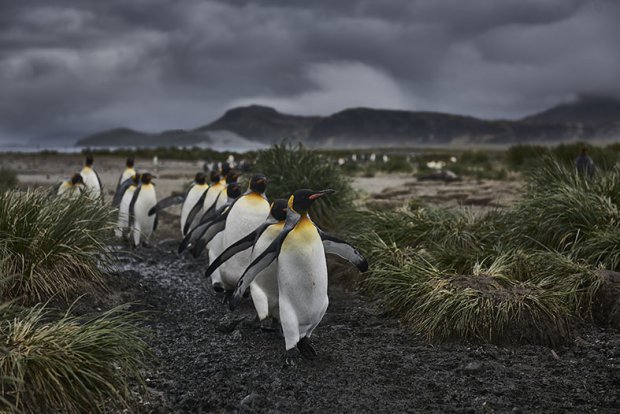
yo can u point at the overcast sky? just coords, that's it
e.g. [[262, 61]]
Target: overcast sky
[[71, 67]]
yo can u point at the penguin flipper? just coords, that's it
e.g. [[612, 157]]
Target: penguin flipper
[[100, 184], [237, 247], [132, 204], [199, 230], [341, 248], [194, 211], [167, 202], [120, 191], [270, 254]]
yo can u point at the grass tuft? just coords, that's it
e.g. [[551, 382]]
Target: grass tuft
[[8, 179], [68, 364], [51, 246], [289, 168]]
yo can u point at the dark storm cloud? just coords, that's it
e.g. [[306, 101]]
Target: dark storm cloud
[[74, 66]]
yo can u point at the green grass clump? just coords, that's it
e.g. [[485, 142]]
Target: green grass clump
[[8, 179], [68, 364], [51, 246], [289, 168]]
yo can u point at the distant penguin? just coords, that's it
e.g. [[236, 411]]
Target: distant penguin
[[231, 177], [127, 173], [193, 202], [300, 250], [264, 289], [217, 187], [91, 179], [248, 212], [125, 193], [71, 187], [144, 198]]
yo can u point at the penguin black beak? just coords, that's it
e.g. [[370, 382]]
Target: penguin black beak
[[260, 181], [321, 194]]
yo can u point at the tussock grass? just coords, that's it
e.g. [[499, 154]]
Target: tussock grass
[[8, 179], [526, 273], [51, 246], [67, 364], [289, 168]]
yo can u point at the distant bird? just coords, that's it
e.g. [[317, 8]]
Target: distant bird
[[91, 179], [300, 250], [71, 187], [584, 164], [122, 199], [127, 173], [144, 198]]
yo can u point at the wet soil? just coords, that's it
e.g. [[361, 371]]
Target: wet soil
[[214, 360]]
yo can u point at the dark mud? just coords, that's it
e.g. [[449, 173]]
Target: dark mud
[[367, 361]]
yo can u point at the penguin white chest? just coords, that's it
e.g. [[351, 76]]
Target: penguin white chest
[[302, 272], [147, 199], [247, 214], [192, 198], [91, 182]]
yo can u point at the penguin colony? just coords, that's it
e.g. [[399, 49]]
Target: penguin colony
[[271, 251]]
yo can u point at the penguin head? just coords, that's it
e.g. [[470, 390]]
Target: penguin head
[[225, 168], [215, 176], [77, 179], [258, 183], [232, 176], [301, 200], [233, 190], [200, 178], [135, 178], [146, 178], [129, 163], [278, 209], [89, 161]]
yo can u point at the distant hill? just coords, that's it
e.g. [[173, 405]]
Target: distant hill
[[264, 124], [364, 127], [255, 126], [586, 110], [125, 137]]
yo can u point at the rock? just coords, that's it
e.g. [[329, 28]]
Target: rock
[[248, 401], [473, 367]]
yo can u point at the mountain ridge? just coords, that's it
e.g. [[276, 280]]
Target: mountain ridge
[[584, 119]]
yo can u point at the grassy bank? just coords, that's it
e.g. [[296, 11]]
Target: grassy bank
[[525, 274], [54, 248]]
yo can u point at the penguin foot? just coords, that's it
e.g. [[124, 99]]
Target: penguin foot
[[218, 287], [269, 325], [291, 357], [227, 297], [305, 348]]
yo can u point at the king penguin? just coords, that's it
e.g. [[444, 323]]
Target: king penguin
[[125, 193], [91, 179], [144, 198], [71, 187], [249, 211], [300, 250], [128, 172], [190, 204]]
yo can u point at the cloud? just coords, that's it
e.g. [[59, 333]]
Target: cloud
[[337, 86], [73, 67]]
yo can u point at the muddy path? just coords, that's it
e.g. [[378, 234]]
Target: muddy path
[[367, 361]]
